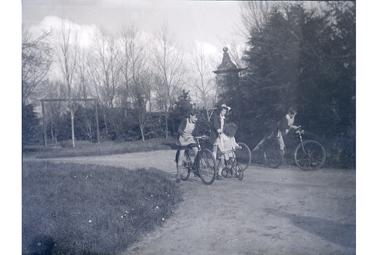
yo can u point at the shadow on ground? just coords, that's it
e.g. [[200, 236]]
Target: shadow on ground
[[331, 231]]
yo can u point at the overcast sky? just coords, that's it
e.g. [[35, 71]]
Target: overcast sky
[[213, 23]]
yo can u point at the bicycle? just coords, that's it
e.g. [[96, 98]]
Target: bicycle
[[203, 165], [236, 165], [308, 154]]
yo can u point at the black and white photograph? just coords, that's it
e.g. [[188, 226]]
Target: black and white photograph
[[177, 127]]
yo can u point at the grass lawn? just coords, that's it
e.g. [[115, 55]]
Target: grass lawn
[[74, 209], [84, 148]]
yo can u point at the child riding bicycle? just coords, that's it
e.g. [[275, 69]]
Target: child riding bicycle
[[283, 128], [217, 129], [227, 145], [185, 139]]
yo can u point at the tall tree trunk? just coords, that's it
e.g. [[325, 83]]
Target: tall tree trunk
[[54, 135], [166, 125], [90, 131], [72, 122], [105, 124], [52, 132], [142, 128]]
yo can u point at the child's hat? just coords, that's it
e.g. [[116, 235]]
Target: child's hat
[[224, 106]]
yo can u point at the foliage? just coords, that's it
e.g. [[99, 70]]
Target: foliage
[[182, 108], [183, 105], [30, 125], [85, 123], [117, 124], [203, 124], [36, 61], [299, 57]]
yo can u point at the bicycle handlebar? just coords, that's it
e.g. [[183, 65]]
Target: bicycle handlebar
[[299, 131], [202, 137]]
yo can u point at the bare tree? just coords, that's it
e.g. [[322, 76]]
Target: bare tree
[[254, 14], [83, 91], [67, 54], [36, 62], [169, 71], [141, 93], [205, 83], [127, 40], [55, 110], [138, 76], [83, 88], [105, 73], [104, 69]]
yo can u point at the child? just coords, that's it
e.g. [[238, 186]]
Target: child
[[227, 145], [186, 131], [218, 126], [282, 129], [284, 126]]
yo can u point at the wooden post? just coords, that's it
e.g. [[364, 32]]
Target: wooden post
[[97, 123], [44, 122]]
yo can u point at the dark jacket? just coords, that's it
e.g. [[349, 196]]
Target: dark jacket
[[215, 125]]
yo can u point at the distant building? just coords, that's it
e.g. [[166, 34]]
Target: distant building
[[227, 74]]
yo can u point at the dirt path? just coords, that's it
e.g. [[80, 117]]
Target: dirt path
[[273, 211]]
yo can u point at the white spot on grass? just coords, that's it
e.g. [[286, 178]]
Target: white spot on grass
[[163, 219], [89, 221]]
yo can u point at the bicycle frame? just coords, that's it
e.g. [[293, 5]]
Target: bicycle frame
[[233, 166], [299, 134], [195, 162], [231, 163], [196, 166], [307, 147]]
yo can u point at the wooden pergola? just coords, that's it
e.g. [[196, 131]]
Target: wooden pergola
[[43, 101]]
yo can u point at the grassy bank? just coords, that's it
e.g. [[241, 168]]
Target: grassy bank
[[73, 209], [104, 148]]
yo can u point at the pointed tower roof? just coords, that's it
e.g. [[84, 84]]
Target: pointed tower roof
[[227, 65]]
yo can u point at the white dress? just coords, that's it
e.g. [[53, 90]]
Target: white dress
[[227, 145], [187, 138]]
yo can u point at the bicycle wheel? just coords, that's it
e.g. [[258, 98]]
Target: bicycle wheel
[[243, 156], [272, 155], [184, 170], [310, 155], [206, 166], [225, 172]]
